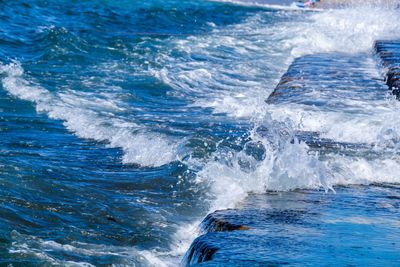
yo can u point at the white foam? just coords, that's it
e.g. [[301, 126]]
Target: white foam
[[290, 5], [262, 53], [243, 62], [287, 165], [93, 117], [34, 247], [283, 5], [240, 66], [232, 79], [349, 30]]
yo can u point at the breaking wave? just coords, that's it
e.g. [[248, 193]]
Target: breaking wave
[[221, 78]]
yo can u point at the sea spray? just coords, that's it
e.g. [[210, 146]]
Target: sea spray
[[288, 163], [165, 121]]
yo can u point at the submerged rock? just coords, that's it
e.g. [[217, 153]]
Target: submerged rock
[[215, 222], [200, 251]]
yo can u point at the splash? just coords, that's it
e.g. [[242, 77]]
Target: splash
[[274, 159], [239, 67], [349, 30], [287, 163], [231, 71]]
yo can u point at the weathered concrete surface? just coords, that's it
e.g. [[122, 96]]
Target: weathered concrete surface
[[358, 226], [325, 79]]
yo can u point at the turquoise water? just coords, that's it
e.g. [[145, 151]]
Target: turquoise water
[[123, 123]]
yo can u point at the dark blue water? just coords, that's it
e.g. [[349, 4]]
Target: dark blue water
[[123, 123]]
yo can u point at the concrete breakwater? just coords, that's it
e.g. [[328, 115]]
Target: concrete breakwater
[[358, 225], [389, 54]]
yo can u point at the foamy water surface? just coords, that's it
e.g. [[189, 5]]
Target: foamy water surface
[[125, 123]]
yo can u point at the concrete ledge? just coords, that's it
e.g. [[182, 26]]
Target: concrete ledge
[[324, 79], [356, 227], [388, 52]]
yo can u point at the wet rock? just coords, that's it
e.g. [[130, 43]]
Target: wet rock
[[110, 218], [215, 223], [200, 251], [391, 76], [389, 53], [304, 228]]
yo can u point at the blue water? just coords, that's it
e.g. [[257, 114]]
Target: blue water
[[355, 226], [123, 123]]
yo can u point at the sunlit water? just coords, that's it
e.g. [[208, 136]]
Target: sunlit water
[[124, 123]]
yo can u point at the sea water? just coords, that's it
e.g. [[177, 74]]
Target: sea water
[[124, 123]]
